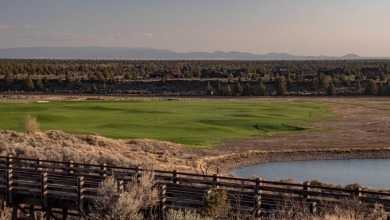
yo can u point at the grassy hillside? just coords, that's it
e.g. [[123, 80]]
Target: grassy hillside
[[187, 122]]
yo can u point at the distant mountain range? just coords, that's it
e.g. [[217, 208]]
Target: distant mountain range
[[149, 54]]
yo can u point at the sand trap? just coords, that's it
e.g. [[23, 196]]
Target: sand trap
[[43, 101]]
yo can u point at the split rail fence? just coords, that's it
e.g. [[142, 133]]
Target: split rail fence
[[63, 189]]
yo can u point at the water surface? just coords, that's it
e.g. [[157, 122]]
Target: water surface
[[367, 172]]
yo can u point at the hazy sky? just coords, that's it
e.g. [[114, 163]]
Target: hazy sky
[[301, 27]]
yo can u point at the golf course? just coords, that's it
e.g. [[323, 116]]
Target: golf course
[[196, 123]]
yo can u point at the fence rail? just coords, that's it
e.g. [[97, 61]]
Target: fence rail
[[67, 188]]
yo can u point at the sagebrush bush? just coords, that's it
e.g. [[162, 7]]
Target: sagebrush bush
[[184, 215], [139, 195], [5, 212], [216, 204], [30, 124], [346, 209]]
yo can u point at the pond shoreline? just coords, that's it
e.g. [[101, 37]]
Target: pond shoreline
[[231, 162]]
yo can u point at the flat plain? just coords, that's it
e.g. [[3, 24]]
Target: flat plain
[[197, 123]]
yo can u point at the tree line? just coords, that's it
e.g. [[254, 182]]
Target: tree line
[[201, 77]]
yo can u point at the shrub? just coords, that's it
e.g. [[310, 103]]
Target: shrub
[[216, 205], [138, 196], [346, 209], [5, 212], [30, 124], [184, 215]]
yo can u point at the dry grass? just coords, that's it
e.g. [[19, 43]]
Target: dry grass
[[184, 215], [30, 124], [5, 212], [346, 209], [57, 145]]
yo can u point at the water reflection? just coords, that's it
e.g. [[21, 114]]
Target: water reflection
[[367, 172]]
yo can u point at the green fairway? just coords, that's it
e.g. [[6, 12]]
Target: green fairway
[[200, 123]]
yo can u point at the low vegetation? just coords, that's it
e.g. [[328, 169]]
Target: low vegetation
[[112, 204], [139, 200], [30, 124], [194, 123], [57, 145]]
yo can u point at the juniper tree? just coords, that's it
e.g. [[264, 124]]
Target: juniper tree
[[39, 84], [315, 85], [261, 89], [29, 84], [247, 89], [8, 78], [209, 90], [371, 88], [219, 87], [332, 89], [228, 90], [238, 88], [282, 89]]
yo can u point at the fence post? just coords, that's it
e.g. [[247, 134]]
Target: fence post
[[358, 192], [70, 167], [9, 193], [138, 171], [9, 162], [258, 184], [104, 169], [306, 188], [215, 181], [80, 194], [257, 206], [39, 164], [257, 198], [163, 199], [313, 207], [174, 177], [120, 186], [44, 190]]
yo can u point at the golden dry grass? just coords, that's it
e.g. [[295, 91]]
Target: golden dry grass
[[57, 145]]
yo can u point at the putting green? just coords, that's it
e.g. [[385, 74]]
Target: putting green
[[194, 123]]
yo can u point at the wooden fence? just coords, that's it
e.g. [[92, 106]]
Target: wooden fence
[[61, 189]]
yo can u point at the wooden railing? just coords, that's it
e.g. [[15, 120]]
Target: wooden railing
[[67, 188]]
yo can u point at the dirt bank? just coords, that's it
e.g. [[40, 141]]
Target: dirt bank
[[229, 162]]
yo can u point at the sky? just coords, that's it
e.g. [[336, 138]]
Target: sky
[[299, 27]]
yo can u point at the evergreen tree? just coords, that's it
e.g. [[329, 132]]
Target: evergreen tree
[[315, 85], [332, 89], [358, 87], [228, 90], [8, 79], [219, 87], [29, 84], [93, 88], [77, 83], [238, 88], [371, 88], [261, 89], [289, 83], [39, 84], [247, 90], [324, 82], [209, 88], [382, 89], [282, 89]]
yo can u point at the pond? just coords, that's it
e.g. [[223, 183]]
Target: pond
[[367, 172]]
